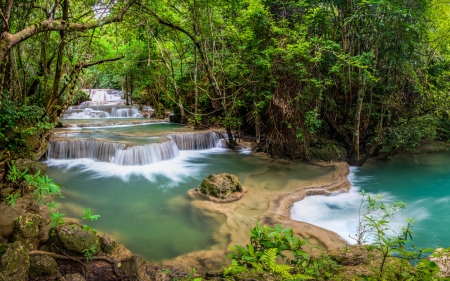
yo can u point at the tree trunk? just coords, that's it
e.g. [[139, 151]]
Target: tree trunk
[[353, 159]]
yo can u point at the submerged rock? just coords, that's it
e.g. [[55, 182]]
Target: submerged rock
[[26, 230], [71, 237], [14, 262], [42, 265], [225, 187]]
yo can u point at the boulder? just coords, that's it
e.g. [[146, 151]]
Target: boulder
[[42, 266], [32, 166], [113, 249], [74, 277], [222, 186], [14, 262], [71, 238], [133, 268], [26, 230], [442, 259]]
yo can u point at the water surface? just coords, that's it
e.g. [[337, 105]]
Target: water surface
[[422, 181], [146, 207]]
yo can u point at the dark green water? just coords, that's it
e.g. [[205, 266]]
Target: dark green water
[[423, 182]]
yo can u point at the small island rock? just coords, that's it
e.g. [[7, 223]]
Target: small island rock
[[222, 187]]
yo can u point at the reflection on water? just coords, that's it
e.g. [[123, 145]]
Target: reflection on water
[[422, 181], [146, 207]]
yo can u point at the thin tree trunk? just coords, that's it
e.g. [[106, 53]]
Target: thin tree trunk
[[354, 151]]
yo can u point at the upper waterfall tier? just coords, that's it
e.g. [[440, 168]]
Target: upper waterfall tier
[[116, 153], [101, 111]]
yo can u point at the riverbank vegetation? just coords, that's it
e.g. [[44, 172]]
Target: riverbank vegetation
[[358, 78]]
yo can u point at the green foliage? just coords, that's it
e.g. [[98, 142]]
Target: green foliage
[[57, 218], [374, 228], [17, 122], [407, 134], [90, 252], [88, 215], [11, 199], [269, 243], [43, 186], [14, 175]]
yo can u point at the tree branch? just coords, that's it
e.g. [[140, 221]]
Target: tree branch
[[10, 40]]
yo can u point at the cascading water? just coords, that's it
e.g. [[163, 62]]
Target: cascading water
[[196, 141], [101, 111], [121, 154], [116, 153]]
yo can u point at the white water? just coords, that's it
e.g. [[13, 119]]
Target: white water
[[82, 112], [176, 170], [196, 141], [340, 213], [121, 154]]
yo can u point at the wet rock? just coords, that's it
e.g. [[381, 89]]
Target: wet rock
[[42, 265], [113, 249], [14, 262], [442, 259], [74, 277], [32, 166], [26, 230], [72, 238], [221, 186], [133, 268]]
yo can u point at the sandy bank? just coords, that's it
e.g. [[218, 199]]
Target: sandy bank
[[267, 207]]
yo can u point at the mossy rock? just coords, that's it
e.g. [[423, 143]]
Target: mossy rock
[[14, 262], [32, 166], [26, 229], [220, 185], [71, 237], [42, 265], [113, 249], [74, 277], [133, 268]]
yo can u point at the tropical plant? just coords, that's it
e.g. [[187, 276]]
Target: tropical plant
[[266, 244]]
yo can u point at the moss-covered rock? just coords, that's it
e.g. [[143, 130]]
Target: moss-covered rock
[[14, 262], [32, 166], [133, 268], [74, 277], [26, 229], [113, 249], [220, 185], [72, 238], [42, 265]]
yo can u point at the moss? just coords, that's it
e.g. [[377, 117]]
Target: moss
[[14, 262], [42, 265], [72, 237], [220, 185]]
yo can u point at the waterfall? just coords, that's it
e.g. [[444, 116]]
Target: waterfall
[[196, 141], [101, 111], [117, 153]]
